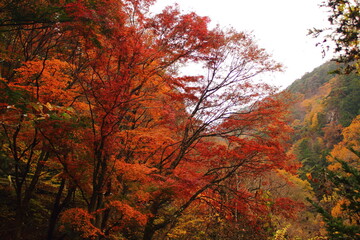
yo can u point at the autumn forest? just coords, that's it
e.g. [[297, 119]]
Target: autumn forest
[[102, 135]]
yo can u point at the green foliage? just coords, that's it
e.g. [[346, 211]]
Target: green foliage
[[329, 104], [340, 106], [346, 183], [344, 32], [345, 98], [22, 13], [312, 157], [310, 82]]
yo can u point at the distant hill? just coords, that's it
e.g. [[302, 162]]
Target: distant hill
[[310, 82], [339, 103], [326, 105]]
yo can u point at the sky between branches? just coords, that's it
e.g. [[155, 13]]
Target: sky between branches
[[279, 26]]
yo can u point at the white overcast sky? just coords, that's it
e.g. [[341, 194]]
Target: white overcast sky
[[279, 26]]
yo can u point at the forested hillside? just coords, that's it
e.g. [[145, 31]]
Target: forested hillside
[[327, 143], [309, 84]]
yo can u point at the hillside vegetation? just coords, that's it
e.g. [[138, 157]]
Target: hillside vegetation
[[327, 143], [101, 138]]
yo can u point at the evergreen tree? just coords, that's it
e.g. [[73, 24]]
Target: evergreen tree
[[346, 184]]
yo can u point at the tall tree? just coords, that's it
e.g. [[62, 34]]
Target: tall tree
[[92, 102], [344, 31]]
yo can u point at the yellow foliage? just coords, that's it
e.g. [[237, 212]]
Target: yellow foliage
[[280, 233], [296, 180], [337, 209], [335, 166], [341, 150], [352, 133], [186, 225], [318, 238], [314, 106], [312, 118], [329, 198], [314, 121]]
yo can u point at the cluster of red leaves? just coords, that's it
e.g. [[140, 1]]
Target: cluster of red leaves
[[139, 143], [79, 220]]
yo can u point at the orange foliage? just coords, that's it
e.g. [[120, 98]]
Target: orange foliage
[[47, 80], [79, 220], [126, 213], [140, 143], [341, 150]]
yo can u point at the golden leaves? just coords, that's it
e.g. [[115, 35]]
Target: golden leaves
[[351, 140], [48, 81]]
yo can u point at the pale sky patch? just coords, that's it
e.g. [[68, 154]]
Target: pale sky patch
[[279, 26]]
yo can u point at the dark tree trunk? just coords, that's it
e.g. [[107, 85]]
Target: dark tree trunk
[[58, 207]]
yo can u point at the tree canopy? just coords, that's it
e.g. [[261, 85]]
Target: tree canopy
[[102, 139], [344, 32]]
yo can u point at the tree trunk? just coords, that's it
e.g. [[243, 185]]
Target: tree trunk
[[149, 230], [55, 212]]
